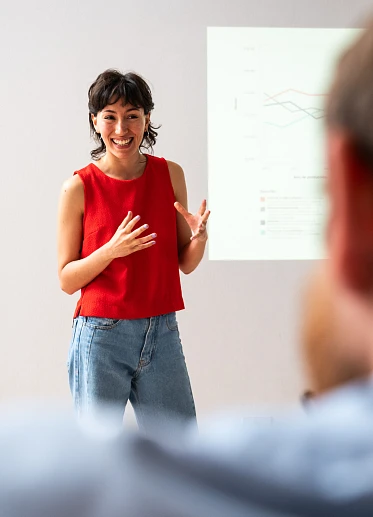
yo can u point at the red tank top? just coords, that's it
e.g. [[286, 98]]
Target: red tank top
[[145, 283]]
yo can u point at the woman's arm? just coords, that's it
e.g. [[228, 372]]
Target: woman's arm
[[191, 230], [74, 272]]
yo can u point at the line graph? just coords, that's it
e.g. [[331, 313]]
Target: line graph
[[315, 113], [288, 100], [297, 91], [266, 106]]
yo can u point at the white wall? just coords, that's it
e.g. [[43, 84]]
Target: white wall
[[239, 329]]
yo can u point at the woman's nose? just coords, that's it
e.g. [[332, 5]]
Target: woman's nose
[[121, 127]]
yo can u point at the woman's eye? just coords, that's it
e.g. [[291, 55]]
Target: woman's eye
[[109, 117]]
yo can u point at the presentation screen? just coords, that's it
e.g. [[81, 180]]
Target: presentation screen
[[266, 165]]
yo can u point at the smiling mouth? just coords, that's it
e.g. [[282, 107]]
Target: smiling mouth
[[122, 143]]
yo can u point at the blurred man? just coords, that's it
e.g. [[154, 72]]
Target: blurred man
[[319, 465]]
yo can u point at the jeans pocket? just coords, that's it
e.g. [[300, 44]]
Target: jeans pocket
[[171, 321], [72, 342], [101, 323]]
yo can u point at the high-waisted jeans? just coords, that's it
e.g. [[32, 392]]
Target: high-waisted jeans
[[111, 361]]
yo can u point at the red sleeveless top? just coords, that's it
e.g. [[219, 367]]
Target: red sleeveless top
[[145, 283]]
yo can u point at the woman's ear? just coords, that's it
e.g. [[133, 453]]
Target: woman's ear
[[94, 121]]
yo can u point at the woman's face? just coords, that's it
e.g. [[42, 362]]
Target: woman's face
[[122, 128]]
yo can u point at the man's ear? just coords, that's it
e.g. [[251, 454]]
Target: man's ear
[[351, 218]]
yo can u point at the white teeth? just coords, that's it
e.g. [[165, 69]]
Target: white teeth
[[122, 142]]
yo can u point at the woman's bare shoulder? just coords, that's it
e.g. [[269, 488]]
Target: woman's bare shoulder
[[72, 192], [73, 184]]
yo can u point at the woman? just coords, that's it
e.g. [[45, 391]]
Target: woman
[[125, 342]]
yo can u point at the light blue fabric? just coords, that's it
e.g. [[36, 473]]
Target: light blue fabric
[[112, 361], [316, 464]]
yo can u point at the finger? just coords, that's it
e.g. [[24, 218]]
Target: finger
[[126, 220], [132, 223], [147, 238], [202, 208], [140, 247], [139, 231], [201, 227], [200, 231], [197, 234], [205, 217], [179, 207]]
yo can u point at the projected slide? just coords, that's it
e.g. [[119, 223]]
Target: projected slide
[[266, 167]]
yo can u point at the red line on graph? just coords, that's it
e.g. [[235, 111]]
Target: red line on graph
[[297, 91]]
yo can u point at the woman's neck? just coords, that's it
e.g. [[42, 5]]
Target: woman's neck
[[126, 169]]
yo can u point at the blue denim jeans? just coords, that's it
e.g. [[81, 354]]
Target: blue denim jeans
[[111, 361]]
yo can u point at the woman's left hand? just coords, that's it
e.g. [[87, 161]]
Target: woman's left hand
[[196, 222]]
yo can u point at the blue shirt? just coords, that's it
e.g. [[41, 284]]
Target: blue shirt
[[314, 464]]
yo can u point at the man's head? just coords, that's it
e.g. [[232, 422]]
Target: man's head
[[338, 329]]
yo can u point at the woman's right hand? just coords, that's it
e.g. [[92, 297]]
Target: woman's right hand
[[126, 240], [74, 271]]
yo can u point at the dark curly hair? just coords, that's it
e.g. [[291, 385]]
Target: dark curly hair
[[108, 88]]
